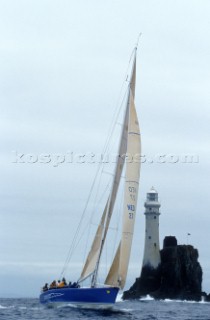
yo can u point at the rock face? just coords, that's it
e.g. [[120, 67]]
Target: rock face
[[179, 276]]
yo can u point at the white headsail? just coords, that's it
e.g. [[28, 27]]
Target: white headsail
[[92, 257]]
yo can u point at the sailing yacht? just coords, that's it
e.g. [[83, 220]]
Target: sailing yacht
[[105, 295]]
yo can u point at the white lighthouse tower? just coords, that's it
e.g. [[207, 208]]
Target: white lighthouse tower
[[151, 247]]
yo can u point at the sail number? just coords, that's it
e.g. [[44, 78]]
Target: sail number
[[131, 207], [132, 191], [130, 215], [133, 197]]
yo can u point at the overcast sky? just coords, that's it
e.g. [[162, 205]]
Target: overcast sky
[[62, 65]]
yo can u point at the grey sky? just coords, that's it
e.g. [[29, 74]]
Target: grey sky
[[62, 64]]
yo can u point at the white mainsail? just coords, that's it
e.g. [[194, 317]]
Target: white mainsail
[[131, 191], [118, 271], [129, 144]]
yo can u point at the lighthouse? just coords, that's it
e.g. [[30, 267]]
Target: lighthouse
[[150, 276], [151, 257]]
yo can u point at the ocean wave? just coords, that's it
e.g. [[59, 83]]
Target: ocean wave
[[184, 301], [6, 307], [147, 298], [119, 297]]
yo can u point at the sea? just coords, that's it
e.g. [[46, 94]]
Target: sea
[[144, 309]]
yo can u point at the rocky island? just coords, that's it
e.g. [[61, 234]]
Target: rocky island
[[178, 276]]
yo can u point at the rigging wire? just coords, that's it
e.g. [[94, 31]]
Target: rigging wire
[[95, 202], [112, 127], [70, 252]]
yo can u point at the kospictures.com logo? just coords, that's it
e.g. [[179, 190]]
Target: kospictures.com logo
[[56, 159]]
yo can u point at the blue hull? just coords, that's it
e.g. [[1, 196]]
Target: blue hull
[[81, 296]]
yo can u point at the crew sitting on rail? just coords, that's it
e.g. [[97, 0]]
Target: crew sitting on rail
[[45, 288], [75, 285], [62, 283], [53, 285]]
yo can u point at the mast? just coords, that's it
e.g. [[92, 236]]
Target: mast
[[119, 165]]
